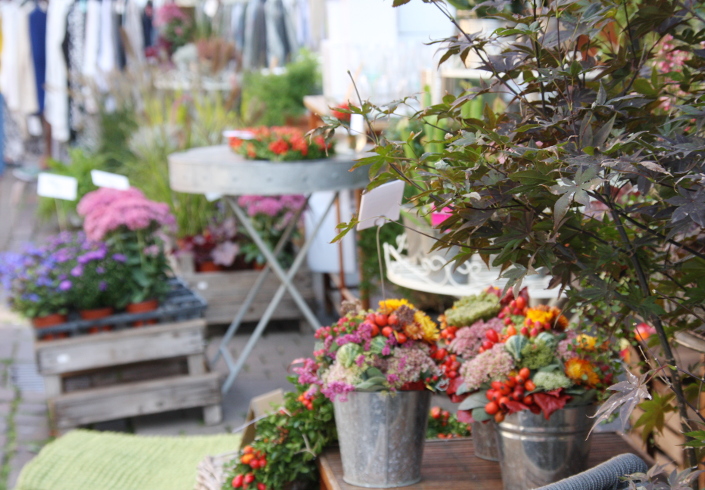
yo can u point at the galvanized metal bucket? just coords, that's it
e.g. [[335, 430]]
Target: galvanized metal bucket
[[381, 437], [534, 451], [484, 440]]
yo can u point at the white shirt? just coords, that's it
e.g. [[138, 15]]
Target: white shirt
[[56, 103]]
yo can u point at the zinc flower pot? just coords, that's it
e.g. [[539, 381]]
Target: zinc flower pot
[[143, 307], [381, 437], [534, 452], [484, 440], [97, 314]]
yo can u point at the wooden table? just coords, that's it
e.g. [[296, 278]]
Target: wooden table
[[451, 465]]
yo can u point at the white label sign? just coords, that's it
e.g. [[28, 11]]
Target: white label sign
[[357, 123], [110, 180], [213, 196], [381, 204], [239, 134], [57, 186]]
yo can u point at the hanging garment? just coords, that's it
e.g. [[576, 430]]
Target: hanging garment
[[107, 54], [74, 50], [38, 40], [56, 106], [132, 26], [9, 83], [277, 40], [254, 53], [148, 31]]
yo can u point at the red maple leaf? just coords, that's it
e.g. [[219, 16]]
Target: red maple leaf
[[551, 401]]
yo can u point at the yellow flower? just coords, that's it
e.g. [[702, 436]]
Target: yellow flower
[[389, 305], [586, 342], [581, 372], [428, 327], [549, 316]]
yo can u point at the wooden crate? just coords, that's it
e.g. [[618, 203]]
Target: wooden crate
[[226, 291], [130, 372]]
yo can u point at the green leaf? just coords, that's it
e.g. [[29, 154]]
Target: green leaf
[[653, 417], [474, 401], [480, 415], [398, 3], [373, 384]]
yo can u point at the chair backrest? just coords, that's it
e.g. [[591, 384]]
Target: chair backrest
[[605, 476]]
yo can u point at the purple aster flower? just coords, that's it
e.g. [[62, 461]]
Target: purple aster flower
[[100, 269], [103, 285], [119, 258], [65, 285], [77, 271]]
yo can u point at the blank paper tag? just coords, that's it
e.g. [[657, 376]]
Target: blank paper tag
[[110, 180], [213, 196], [357, 123], [239, 134], [381, 204], [57, 186]]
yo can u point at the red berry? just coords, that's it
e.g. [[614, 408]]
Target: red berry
[[381, 319], [261, 486], [486, 344], [533, 332], [387, 331], [524, 331], [492, 336], [392, 319], [237, 481], [249, 478]]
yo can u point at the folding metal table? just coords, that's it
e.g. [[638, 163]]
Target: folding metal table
[[217, 170]]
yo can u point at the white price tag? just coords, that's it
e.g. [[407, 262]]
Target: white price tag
[[381, 204], [357, 123], [213, 196], [240, 134], [110, 180], [57, 186]]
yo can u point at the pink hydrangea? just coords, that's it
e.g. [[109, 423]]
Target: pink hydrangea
[[408, 363], [168, 13], [563, 350], [490, 365], [468, 340], [106, 210]]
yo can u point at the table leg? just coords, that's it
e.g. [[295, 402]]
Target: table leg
[[285, 278], [252, 294]]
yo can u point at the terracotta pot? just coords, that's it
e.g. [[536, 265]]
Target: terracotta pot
[[143, 307], [96, 314], [208, 266], [50, 321]]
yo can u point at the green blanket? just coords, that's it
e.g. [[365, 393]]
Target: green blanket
[[87, 460]]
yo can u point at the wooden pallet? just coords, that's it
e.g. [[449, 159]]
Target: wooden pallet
[[226, 291], [130, 372]]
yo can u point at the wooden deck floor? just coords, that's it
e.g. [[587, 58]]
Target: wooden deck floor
[[452, 465]]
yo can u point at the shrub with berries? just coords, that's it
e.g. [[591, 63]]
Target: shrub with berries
[[444, 425], [279, 144], [287, 442]]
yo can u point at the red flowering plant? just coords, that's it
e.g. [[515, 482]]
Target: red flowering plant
[[504, 356], [279, 144], [389, 349]]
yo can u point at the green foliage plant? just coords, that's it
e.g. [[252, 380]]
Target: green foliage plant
[[270, 98], [595, 172]]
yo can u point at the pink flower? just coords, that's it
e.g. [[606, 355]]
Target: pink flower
[[491, 364]]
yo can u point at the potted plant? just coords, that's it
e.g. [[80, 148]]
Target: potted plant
[[279, 144], [98, 277], [592, 171], [130, 224], [37, 280], [377, 369]]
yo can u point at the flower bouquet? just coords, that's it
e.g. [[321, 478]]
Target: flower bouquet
[[279, 144], [216, 247], [378, 368], [517, 358], [536, 377]]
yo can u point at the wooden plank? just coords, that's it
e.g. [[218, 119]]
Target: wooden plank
[[126, 373], [131, 399], [451, 465], [121, 347]]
